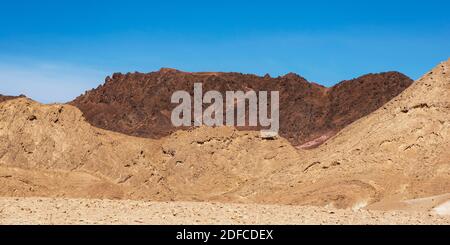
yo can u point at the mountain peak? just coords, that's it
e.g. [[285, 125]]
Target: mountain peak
[[139, 104], [169, 70]]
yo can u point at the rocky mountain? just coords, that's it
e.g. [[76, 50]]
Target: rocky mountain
[[6, 97], [395, 154], [50, 150], [139, 104]]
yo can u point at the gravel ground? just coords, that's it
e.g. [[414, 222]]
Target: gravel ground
[[83, 211]]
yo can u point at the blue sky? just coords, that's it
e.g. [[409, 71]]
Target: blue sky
[[53, 51]]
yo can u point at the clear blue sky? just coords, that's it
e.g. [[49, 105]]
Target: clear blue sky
[[54, 50]]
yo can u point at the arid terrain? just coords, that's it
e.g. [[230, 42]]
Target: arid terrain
[[5, 97], [389, 164], [82, 211], [139, 104]]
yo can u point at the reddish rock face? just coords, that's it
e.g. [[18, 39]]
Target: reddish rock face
[[139, 104]]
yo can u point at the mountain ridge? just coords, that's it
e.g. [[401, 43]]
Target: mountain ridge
[[138, 104]]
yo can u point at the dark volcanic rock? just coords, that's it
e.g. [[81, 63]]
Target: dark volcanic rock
[[6, 97], [139, 104]]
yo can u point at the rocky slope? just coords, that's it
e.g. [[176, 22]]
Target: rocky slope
[[139, 104], [6, 97], [50, 150], [399, 152]]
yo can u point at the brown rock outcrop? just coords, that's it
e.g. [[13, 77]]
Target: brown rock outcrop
[[139, 104]]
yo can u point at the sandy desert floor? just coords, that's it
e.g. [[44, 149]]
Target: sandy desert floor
[[84, 211]]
